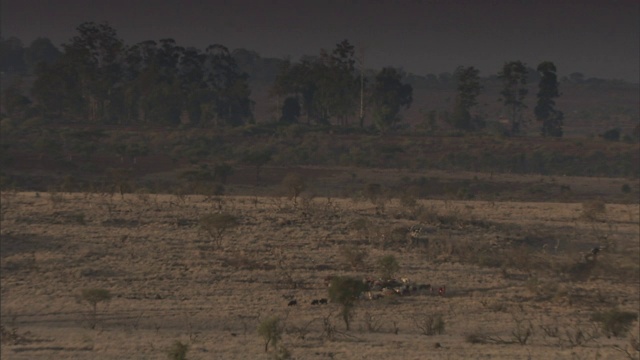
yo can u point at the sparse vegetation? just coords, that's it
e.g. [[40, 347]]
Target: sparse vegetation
[[279, 256], [178, 351], [294, 184], [93, 297], [345, 291], [271, 331], [124, 165], [625, 188], [372, 322], [429, 324], [388, 266], [594, 210], [355, 257], [615, 322], [216, 225]]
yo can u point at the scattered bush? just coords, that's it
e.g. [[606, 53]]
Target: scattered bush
[[372, 322], [372, 192], [625, 188], [93, 297], [519, 335], [281, 353], [362, 227], [523, 329], [388, 266], [611, 135], [593, 210], [271, 331], [178, 351], [476, 338], [216, 225], [615, 322], [345, 291], [429, 324], [354, 256], [294, 184], [12, 337]]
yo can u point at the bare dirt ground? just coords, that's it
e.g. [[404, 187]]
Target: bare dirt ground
[[518, 285]]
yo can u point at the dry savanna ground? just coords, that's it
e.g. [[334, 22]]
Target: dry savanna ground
[[519, 283]]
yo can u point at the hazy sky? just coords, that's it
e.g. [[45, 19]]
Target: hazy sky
[[600, 38]]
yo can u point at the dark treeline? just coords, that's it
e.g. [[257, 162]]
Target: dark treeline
[[98, 79]]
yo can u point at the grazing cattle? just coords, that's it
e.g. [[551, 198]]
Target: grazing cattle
[[293, 303], [322, 301], [442, 290]]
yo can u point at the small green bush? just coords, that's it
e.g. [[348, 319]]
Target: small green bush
[[178, 351], [271, 331], [388, 266], [93, 297]]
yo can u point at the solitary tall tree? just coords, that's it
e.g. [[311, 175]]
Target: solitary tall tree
[[346, 291], [389, 95], [290, 111], [468, 90], [96, 55], [514, 77], [545, 111]]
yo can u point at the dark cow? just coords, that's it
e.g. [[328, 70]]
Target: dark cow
[[293, 303]]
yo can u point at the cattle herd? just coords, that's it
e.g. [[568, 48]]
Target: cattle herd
[[379, 288]]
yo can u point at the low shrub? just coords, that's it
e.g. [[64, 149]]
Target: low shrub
[[271, 331], [354, 256], [388, 266], [615, 322], [178, 351]]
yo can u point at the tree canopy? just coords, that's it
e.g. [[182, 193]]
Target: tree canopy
[[100, 79], [514, 78], [545, 111], [389, 95], [468, 90]]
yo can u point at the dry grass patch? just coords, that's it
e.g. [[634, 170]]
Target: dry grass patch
[[166, 286]]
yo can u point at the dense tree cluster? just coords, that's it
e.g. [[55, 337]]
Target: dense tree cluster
[[328, 90], [325, 87], [98, 79]]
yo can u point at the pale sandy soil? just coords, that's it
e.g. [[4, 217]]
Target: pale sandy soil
[[169, 283]]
